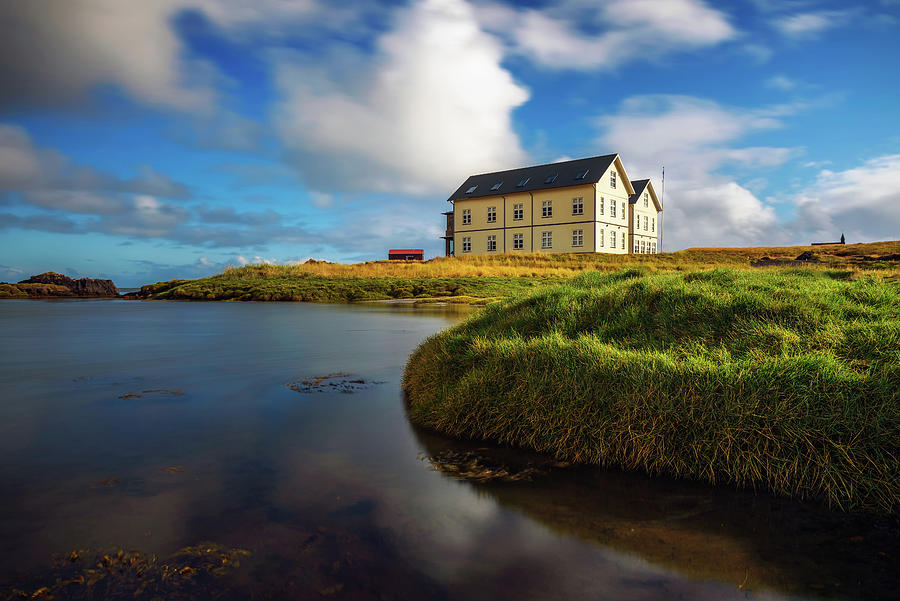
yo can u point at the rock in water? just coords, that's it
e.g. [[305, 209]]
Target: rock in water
[[80, 287]]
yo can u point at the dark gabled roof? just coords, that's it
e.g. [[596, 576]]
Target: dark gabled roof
[[566, 173], [639, 185]]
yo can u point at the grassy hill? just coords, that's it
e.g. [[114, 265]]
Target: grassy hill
[[786, 379], [480, 279]]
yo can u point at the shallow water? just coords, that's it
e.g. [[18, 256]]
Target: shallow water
[[155, 426]]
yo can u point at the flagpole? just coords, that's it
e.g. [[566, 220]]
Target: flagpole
[[662, 200]]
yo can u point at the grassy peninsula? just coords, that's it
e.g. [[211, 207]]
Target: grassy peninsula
[[485, 278], [785, 379]]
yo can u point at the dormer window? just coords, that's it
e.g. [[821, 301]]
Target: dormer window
[[522, 182], [612, 179], [550, 179], [472, 189], [581, 174], [496, 186], [646, 199]]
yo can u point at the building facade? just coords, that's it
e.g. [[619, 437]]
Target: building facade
[[582, 206]]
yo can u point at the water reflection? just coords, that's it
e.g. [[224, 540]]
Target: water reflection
[[756, 542], [158, 426]]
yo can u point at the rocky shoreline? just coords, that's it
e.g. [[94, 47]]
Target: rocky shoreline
[[52, 284]]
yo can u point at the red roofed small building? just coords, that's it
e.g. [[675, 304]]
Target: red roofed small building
[[406, 254]]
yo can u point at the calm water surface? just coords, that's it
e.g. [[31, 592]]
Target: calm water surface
[[157, 426]]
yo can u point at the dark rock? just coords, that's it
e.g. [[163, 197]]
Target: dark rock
[[807, 256], [80, 287]]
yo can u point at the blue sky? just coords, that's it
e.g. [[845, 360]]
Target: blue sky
[[170, 138]]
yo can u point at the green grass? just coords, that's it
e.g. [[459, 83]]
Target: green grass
[[479, 279], [785, 380], [335, 289]]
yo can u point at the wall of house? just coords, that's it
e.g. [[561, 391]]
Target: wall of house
[[644, 223], [560, 224]]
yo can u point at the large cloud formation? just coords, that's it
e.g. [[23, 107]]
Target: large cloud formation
[[433, 104]]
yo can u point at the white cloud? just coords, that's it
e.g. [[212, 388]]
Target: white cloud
[[696, 140], [863, 202], [433, 105], [811, 24], [577, 34], [780, 82]]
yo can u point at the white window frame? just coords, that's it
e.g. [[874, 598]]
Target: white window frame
[[602, 237], [612, 238], [518, 241], [654, 248], [578, 205], [612, 179], [646, 223], [546, 239], [601, 205], [492, 243], [518, 212], [467, 216], [612, 208], [643, 248], [653, 224], [467, 244], [491, 214], [577, 237], [547, 208], [637, 247], [623, 240], [624, 213], [646, 200]]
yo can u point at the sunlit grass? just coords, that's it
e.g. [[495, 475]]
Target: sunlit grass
[[786, 380], [490, 276]]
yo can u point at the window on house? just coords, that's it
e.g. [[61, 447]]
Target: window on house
[[637, 247], [522, 182], [467, 244], [623, 236], [496, 186], [550, 179], [578, 206], [612, 208], [546, 239], [518, 241], [646, 200], [492, 214], [643, 251], [601, 205], [547, 208], [467, 217], [646, 223], [577, 237], [581, 174], [492, 243], [601, 236], [518, 212], [470, 190], [637, 222], [612, 239], [653, 224], [612, 178], [653, 244], [624, 214]]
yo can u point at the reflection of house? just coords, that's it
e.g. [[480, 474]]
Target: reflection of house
[[582, 206], [406, 254]]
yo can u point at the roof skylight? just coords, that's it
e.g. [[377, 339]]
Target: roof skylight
[[581, 174], [472, 189], [550, 179], [522, 183], [496, 186]]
